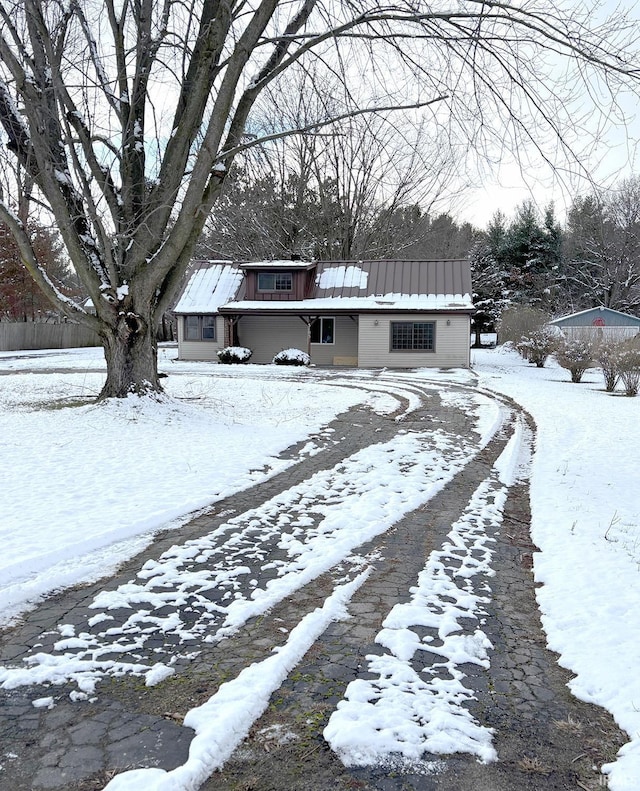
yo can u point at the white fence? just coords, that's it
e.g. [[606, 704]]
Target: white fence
[[34, 335]]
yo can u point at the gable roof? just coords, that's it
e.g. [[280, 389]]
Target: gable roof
[[585, 318], [338, 286], [210, 284]]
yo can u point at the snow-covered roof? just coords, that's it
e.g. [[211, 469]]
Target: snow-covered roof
[[585, 318], [278, 264], [210, 285], [342, 286], [380, 302]]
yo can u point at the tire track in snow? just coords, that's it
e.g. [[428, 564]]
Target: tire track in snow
[[205, 588]]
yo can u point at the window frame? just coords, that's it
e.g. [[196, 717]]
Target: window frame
[[278, 282], [321, 320], [205, 321], [430, 349]]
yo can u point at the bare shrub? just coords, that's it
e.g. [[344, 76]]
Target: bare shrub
[[630, 370], [575, 354], [519, 322], [607, 355], [538, 345]]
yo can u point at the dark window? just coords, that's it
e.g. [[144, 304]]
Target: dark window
[[192, 328], [322, 330], [413, 336], [275, 281], [199, 328]]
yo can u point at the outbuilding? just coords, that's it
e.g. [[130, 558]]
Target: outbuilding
[[600, 321]]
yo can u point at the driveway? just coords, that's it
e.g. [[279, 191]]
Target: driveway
[[409, 657]]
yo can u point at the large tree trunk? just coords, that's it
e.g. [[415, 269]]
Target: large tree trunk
[[131, 352]]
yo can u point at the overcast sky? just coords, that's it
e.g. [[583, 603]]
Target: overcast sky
[[615, 155]]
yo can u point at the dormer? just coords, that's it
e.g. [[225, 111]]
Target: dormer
[[269, 281]]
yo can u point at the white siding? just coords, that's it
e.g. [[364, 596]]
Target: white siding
[[200, 350], [451, 342]]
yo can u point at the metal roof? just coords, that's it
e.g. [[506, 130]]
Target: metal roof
[[392, 277], [596, 316], [348, 286], [210, 284]]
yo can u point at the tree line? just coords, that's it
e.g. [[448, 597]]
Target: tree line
[[530, 259]]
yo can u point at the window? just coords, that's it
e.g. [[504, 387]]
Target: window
[[322, 330], [208, 328], [199, 328], [275, 281], [413, 336]]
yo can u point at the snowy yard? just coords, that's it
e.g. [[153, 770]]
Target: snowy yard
[[85, 486]]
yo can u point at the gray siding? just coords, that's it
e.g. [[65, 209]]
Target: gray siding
[[613, 333], [611, 318], [345, 348], [451, 342], [268, 335]]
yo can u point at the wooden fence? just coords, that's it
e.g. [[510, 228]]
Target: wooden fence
[[34, 335]]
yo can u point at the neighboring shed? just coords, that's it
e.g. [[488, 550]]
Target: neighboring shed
[[366, 313], [600, 321]]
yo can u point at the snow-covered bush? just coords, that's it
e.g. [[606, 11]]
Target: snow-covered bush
[[234, 354], [291, 357], [575, 354], [538, 345], [630, 370], [607, 355]]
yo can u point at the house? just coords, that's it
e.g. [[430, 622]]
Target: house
[[600, 321], [363, 313]]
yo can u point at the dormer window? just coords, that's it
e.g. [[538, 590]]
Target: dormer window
[[275, 281]]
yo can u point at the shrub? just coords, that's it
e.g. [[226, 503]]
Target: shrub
[[520, 322], [234, 354], [630, 370], [575, 354], [291, 357], [538, 345], [607, 355]]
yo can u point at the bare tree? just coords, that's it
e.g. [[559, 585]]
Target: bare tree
[[362, 189], [603, 252], [128, 115]]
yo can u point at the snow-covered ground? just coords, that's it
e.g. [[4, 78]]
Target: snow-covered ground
[[585, 504], [85, 486]]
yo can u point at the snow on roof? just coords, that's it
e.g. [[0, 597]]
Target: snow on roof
[[632, 320], [278, 264], [382, 302], [384, 285], [211, 284], [348, 276]]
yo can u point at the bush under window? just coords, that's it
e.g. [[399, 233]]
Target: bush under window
[[291, 357], [234, 354]]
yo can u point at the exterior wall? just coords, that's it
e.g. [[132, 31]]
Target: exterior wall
[[299, 286], [451, 342], [614, 333], [267, 335], [358, 341], [200, 350], [345, 349]]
